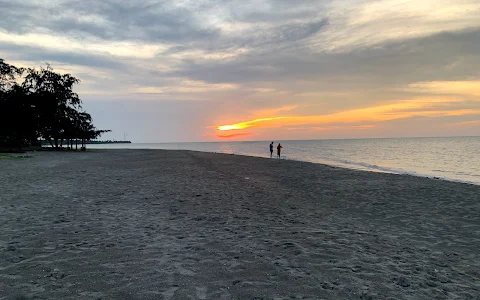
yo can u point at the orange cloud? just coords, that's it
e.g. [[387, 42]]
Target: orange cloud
[[274, 111], [358, 127], [247, 124], [296, 128], [466, 123], [431, 107], [230, 135], [465, 88]]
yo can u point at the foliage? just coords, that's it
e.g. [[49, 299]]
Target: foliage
[[43, 105]]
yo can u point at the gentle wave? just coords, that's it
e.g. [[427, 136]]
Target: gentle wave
[[359, 166]]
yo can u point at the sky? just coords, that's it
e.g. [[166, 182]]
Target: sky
[[216, 70]]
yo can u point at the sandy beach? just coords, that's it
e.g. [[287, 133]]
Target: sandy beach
[[153, 224]]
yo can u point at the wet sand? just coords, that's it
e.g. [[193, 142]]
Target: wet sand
[[152, 224]]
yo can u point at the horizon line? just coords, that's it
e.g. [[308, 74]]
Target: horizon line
[[319, 139]]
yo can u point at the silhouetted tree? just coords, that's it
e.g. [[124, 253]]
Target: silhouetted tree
[[86, 129], [54, 100], [8, 76], [11, 128], [43, 105]]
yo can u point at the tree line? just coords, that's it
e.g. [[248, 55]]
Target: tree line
[[40, 104]]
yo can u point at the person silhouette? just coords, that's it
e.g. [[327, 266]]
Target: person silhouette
[[279, 150], [271, 150]]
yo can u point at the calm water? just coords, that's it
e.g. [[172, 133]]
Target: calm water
[[454, 158]]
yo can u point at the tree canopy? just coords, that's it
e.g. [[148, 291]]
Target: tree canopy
[[41, 104]]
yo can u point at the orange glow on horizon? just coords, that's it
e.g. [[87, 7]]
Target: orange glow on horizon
[[381, 113], [466, 123], [466, 88], [359, 127], [229, 135], [247, 124]]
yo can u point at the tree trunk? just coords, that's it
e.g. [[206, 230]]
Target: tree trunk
[[56, 143], [50, 142], [76, 144]]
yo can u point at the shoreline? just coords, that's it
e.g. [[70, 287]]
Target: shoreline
[[343, 166], [325, 163], [332, 165]]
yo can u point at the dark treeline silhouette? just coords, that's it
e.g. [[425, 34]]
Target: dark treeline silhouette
[[41, 104], [88, 142]]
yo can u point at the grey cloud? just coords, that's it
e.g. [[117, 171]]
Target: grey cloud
[[132, 20], [161, 21], [277, 53], [15, 16], [34, 54], [446, 56], [81, 29], [284, 34], [280, 12]]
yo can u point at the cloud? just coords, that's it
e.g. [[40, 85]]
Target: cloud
[[248, 124], [230, 135], [357, 127], [463, 88], [274, 111], [381, 113], [106, 20], [369, 23], [190, 39], [446, 56], [18, 51], [466, 123], [187, 87]]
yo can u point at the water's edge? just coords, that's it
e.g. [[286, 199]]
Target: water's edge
[[357, 166]]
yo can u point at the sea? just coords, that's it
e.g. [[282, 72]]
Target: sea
[[449, 158]]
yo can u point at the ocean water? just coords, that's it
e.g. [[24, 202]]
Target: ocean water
[[450, 158]]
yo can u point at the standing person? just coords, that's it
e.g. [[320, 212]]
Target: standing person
[[279, 149], [271, 150]]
